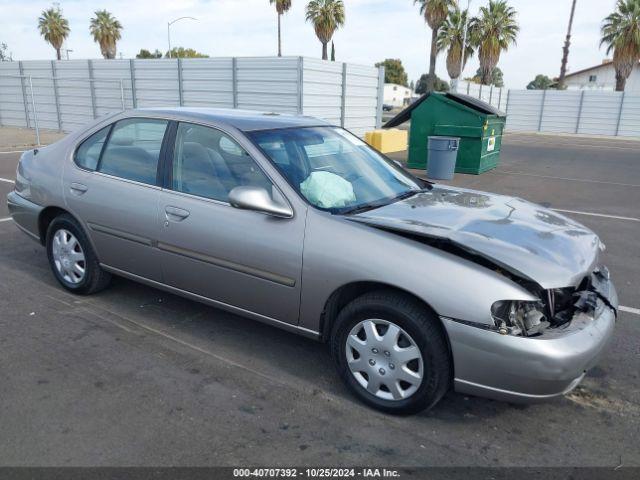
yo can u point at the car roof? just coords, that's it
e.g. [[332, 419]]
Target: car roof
[[244, 120]]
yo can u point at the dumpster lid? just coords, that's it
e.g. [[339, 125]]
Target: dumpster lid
[[466, 100], [405, 114], [475, 103]]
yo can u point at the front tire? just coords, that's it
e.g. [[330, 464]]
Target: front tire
[[391, 351], [72, 259]]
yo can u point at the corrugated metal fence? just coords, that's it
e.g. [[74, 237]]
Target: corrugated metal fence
[[586, 112], [65, 95], [487, 93], [583, 112]]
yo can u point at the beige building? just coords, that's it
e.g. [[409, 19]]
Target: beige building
[[601, 77]]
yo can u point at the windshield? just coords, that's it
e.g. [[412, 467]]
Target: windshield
[[335, 170]]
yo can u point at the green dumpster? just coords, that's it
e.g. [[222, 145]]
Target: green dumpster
[[478, 125]]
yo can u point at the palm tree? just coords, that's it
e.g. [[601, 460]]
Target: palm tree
[[327, 16], [54, 28], [435, 13], [565, 49], [493, 32], [450, 36], [106, 32], [621, 34], [282, 6]]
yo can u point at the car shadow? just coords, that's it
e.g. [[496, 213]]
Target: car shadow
[[299, 361]]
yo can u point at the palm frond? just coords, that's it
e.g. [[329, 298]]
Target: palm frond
[[435, 11], [493, 31], [620, 33], [451, 35], [105, 29], [282, 6], [53, 27], [326, 16]]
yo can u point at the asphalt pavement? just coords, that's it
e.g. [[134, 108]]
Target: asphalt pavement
[[135, 376]]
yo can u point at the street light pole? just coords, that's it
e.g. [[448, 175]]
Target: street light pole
[[169, 38], [464, 42], [169, 30]]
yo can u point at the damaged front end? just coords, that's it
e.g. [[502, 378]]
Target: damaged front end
[[550, 256], [556, 308], [534, 351], [538, 341]]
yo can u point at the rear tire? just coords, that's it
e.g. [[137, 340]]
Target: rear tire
[[404, 372], [72, 259]]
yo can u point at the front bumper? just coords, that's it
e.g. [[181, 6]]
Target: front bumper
[[25, 214], [512, 368]]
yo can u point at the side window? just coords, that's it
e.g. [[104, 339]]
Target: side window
[[133, 149], [210, 164], [88, 153]]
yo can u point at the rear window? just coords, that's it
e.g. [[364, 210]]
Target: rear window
[[88, 152]]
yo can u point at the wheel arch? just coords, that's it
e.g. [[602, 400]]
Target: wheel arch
[[46, 217], [51, 213], [348, 292], [97, 279]]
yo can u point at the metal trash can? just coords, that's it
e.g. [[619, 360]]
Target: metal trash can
[[443, 152]]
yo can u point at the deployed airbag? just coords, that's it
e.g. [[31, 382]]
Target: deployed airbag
[[327, 190]]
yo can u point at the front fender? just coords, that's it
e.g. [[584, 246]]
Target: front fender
[[338, 252]]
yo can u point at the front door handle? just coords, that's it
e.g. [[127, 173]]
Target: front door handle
[[78, 188], [175, 213]]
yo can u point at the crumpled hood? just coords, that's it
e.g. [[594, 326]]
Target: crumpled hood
[[529, 240]]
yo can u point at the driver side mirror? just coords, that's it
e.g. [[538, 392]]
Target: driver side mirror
[[258, 200]]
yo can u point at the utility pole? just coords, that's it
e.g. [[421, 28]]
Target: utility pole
[[565, 50]]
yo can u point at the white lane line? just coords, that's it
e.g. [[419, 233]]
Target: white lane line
[[5, 219], [616, 217], [584, 180], [571, 137], [16, 151], [627, 142], [541, 143], [635, 311]]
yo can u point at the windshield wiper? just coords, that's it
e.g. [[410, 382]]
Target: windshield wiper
[[362, 208], [409, 194], [371, 206]]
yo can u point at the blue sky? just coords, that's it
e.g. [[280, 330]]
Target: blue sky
[[375, 29]]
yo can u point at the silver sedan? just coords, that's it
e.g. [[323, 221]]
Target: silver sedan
[[418, 288]]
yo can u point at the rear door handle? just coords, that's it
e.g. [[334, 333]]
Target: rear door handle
[[175, 213], [78, 188]]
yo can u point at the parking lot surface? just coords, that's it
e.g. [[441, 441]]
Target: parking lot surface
[[136, 376]]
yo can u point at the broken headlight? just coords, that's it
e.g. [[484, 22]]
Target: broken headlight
[[601, 246], [515, 317]]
